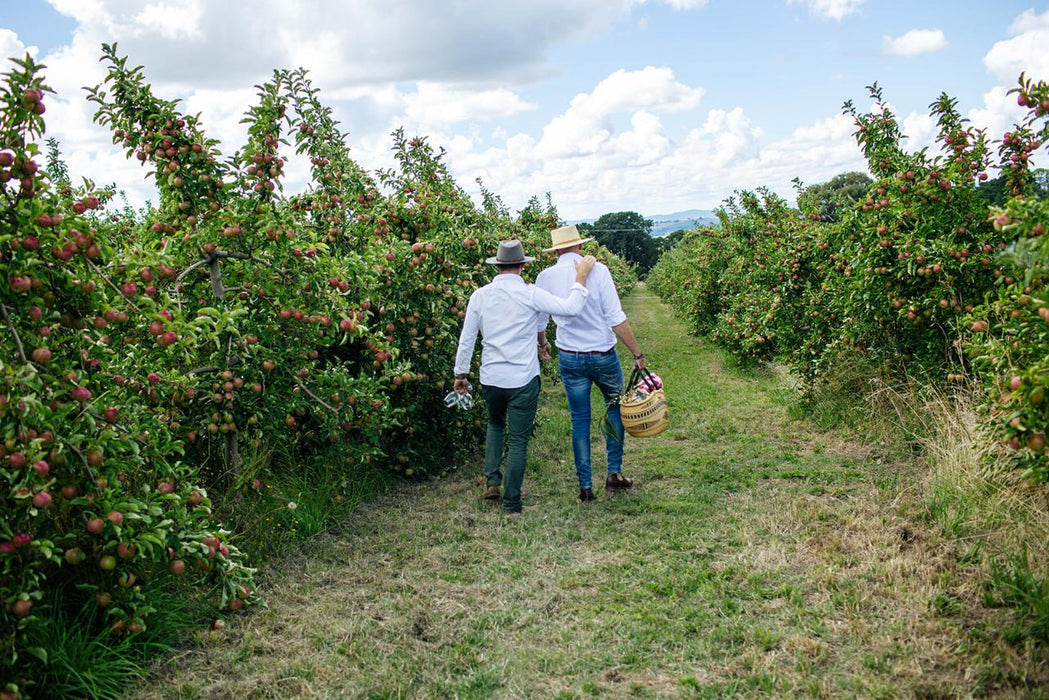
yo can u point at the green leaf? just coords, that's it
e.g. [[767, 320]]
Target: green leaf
[[38, 652]]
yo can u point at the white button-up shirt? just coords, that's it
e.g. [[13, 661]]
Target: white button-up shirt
[[592, 329], [506, 312]]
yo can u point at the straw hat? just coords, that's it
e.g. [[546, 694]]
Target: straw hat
[[509, 253], [565, 237]]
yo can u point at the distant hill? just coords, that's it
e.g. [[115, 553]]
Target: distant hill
[[663, 224]]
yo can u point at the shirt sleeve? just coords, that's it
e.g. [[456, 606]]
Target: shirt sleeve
[[547, 303], [611, 308], [468, 335], [543, 320]]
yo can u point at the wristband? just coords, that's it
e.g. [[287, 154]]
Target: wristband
[[460, 376], [638, 357]]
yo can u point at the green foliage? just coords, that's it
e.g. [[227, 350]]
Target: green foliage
[[1008, 337], [628, 235], [918, 250], [829, 199], [1012, 583], [670, 240], [688, 277], [918, 277], [751, 282], [994, 190]]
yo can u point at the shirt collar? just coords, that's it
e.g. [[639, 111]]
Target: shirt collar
[[567, 257], [507, 279]]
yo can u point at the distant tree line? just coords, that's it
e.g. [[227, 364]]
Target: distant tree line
[[628, 235]]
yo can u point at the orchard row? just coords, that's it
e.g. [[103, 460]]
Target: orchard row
[[146, 356], [919, 277]]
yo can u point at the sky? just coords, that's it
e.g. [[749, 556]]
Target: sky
[[653, 106]]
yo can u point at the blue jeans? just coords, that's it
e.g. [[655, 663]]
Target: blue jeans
[[579, 373]]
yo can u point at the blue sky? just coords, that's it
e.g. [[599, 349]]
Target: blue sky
[[646, 105]]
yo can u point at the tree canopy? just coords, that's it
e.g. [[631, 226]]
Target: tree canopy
[[628, 235], [995, 193], [828, 198]]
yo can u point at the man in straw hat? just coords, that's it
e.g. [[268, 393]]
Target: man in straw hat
[[586, 346], [505, 312]]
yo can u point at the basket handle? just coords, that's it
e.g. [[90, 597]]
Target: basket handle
[[638, 375]]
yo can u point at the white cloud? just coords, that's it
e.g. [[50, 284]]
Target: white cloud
[[732, 136], [1028, 21], [427, 66], [1025, 52], [998, 114], [344, 42], [678, 4], [643, 169], [434, 104], [920, 131], [586, 126], [649, 88], [914, 42], [451, 71], [830, 9], [178, 20], [686, 4], [11, 45]]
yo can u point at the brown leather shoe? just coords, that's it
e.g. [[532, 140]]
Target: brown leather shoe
[[586, 495], [492, 494], [618, 482]]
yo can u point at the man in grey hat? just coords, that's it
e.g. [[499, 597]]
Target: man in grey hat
[[586, 345], [505, 312]]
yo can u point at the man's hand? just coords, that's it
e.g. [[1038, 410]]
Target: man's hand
[[583, 267], [639, 362], [544, 352], [461, 386]]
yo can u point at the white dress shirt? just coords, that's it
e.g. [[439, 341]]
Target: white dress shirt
[[506, 312], [592, 329]]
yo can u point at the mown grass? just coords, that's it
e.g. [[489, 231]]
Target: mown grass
[[756, 556]]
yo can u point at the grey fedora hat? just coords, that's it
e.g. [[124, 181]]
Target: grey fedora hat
[[509, 253]]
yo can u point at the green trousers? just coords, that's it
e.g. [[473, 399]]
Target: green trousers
[[511, 417]]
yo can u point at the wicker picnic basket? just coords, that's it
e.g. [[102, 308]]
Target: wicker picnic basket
[[643, 414]]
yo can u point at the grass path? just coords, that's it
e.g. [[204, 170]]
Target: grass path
[[756, 556]]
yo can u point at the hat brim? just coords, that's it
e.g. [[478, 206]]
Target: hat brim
[[567, 244], [497, 261]]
